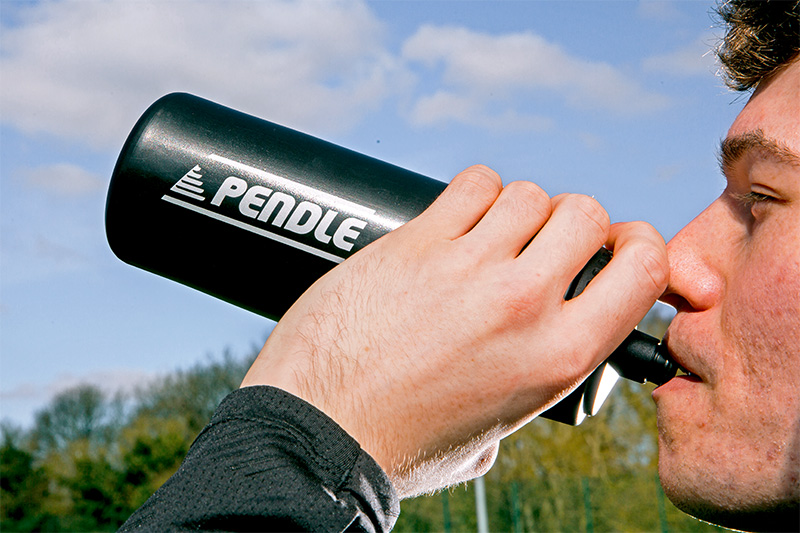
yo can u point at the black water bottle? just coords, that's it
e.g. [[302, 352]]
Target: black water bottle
[[253, 213]]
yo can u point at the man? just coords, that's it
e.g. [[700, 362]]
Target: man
[[729, 438], [413, 404]]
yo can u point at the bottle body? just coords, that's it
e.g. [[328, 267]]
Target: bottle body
[[246, 210]]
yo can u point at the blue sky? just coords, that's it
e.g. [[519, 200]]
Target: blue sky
[[618, 99]]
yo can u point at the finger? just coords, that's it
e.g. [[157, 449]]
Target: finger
[[622, 293], [515, 217], [576, 229], [462, 204], [640, 244]]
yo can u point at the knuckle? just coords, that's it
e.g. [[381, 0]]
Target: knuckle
[[656, 268], [464, 201], [647, 253], [521, 300], [479, 181], [529, 190], [528, 196], [588, 208]]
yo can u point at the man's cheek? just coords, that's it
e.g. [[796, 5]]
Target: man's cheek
[[764, 313]]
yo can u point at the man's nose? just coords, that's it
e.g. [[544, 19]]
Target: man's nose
[[696, 257]]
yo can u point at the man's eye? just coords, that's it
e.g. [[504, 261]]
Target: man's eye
[[752, 198], [757, 204]]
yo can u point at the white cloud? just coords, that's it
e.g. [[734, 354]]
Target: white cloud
[[51, 221], [659, 10], [694, 59], [86, 70], [110, 381], [63, 179], [446, 107], [479, 70], [668, 173], [21, 402], [591, 141]]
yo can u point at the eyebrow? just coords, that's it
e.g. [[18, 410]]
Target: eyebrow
[[732, 149]]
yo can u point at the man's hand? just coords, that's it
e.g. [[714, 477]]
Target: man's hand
[[442, 337]]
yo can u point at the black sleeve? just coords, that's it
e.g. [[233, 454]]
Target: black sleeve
[[268, 461]]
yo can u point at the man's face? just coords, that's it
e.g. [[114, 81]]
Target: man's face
[[729, 438]]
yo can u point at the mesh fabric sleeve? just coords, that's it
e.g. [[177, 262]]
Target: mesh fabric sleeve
[[269, 461]]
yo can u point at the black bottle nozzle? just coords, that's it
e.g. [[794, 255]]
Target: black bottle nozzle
[[642, 358]]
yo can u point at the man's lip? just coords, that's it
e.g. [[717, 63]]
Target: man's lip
[[685, 371]]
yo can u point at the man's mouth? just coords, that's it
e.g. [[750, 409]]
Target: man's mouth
[[685, 374]]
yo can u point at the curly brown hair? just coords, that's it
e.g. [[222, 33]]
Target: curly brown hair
[[762, 36]]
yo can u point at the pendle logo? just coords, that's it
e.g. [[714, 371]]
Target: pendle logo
[[190, 184], [276, 208]]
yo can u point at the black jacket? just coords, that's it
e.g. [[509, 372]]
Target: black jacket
[[269, 461]]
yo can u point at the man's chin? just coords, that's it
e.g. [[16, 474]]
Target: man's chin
[[775, 518]]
